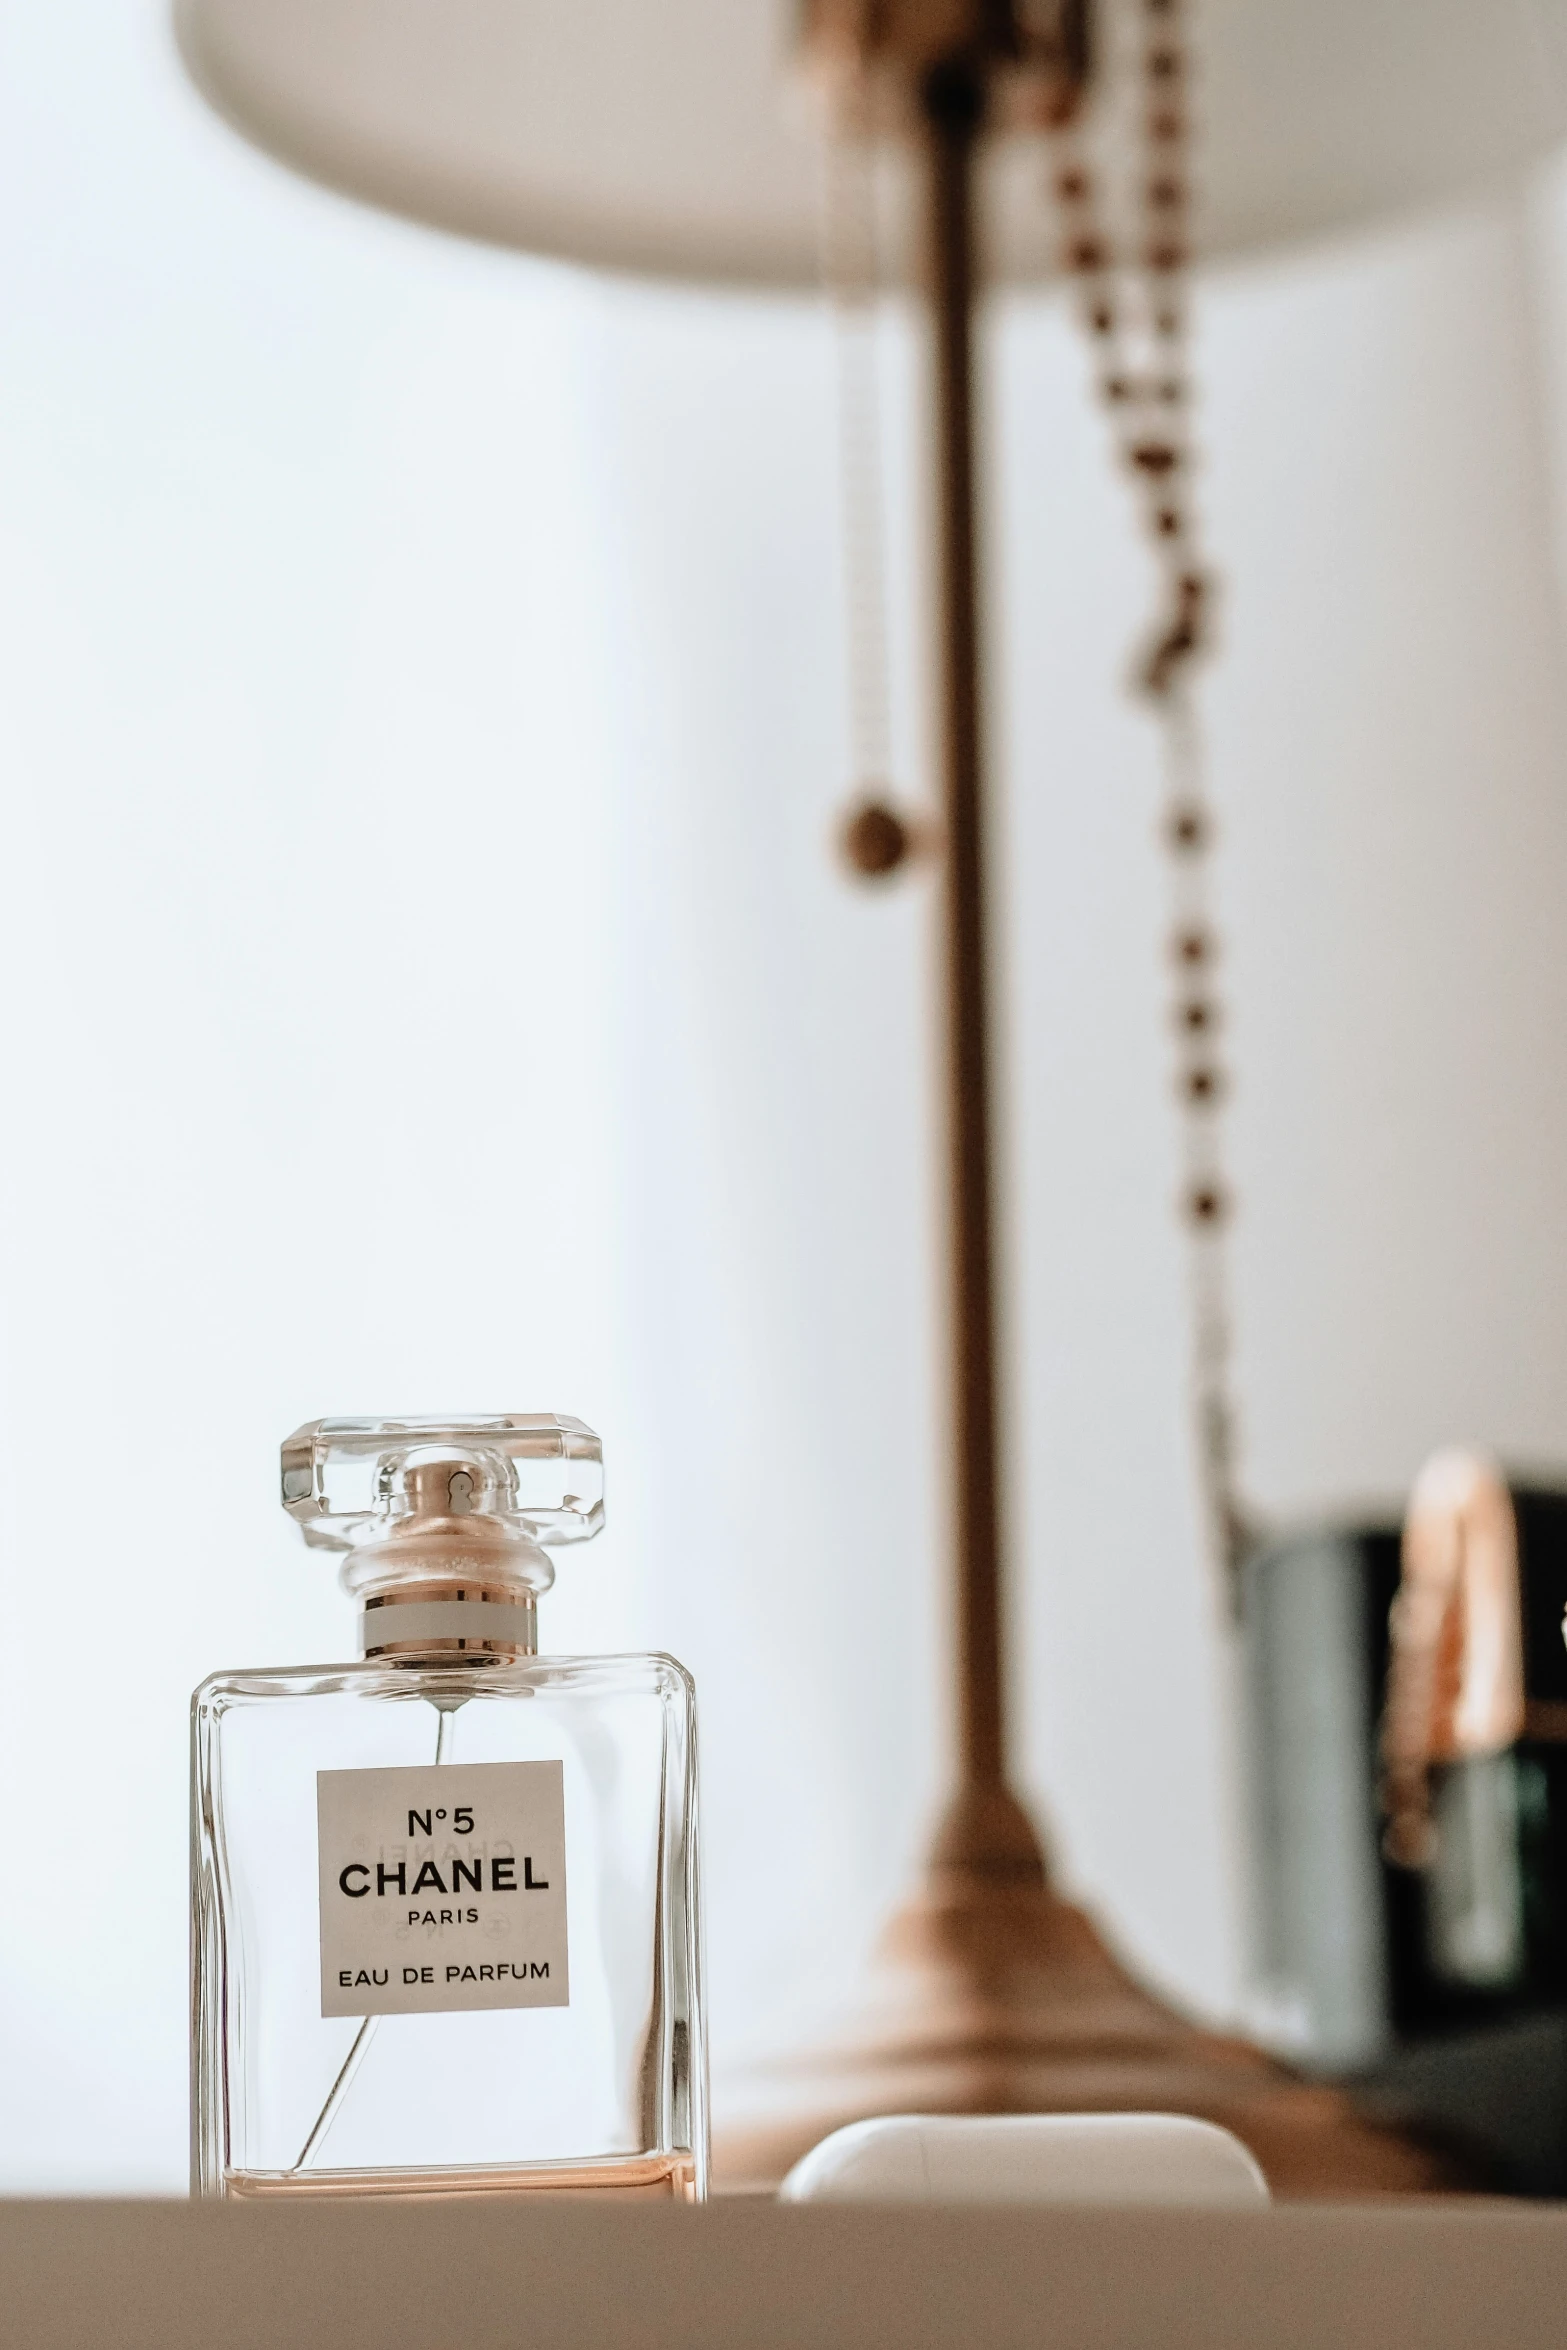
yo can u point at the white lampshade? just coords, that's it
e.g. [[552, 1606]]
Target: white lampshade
[[672, 135]]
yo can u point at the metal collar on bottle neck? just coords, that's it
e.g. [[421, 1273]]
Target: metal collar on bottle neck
[[450, 1619]]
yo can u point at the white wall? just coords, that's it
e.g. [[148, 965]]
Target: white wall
[[416, 660]]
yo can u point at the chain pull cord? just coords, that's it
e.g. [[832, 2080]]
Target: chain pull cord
[[1135, 308], [876, 837], [1202, 1084]]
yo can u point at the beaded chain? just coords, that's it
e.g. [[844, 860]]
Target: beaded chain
[[1135, 308], [875, 836], [1134, 300]]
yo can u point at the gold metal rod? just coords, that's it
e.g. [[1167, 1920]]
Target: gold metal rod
[[953, 105]]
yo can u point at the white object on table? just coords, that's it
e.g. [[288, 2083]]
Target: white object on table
[[1144, 2158]]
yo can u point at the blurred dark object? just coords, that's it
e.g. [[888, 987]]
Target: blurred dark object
[[1435, 1982]]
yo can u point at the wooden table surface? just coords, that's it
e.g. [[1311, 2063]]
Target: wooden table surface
[[160, 2276]]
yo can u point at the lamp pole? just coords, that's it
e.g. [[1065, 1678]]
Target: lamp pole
[[953, 103], [986, 1831]]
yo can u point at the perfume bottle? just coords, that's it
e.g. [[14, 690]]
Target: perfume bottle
[[445, 1931]]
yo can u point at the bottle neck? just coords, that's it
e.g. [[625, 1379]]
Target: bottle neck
[[443, 1586], [449, 1616]]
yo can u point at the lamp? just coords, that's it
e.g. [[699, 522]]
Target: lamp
[[680, 140], [669, 139]]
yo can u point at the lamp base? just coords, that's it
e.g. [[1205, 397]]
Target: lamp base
[[994, 1995]]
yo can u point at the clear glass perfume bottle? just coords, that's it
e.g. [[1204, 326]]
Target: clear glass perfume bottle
[[445, 1899]]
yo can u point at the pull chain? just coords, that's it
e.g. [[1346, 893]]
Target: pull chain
[[1135, 309], [876, 838]]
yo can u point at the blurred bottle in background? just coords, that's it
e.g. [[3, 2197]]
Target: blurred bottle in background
[[1406, 1710]]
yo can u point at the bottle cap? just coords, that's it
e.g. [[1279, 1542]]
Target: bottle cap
[[352, 1483]]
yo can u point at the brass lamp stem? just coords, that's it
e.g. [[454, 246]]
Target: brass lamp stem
[[986, 1832], [953, 107]]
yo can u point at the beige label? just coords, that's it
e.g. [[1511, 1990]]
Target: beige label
[[442, 1886]]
